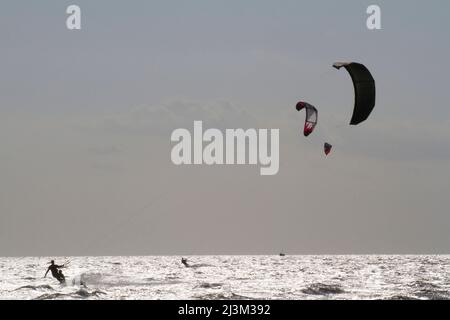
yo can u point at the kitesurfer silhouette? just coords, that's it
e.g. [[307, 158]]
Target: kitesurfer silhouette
[[56, 273], [184, 261]]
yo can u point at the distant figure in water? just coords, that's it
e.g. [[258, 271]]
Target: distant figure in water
[[282, 254], [57, 274], [184, 261]]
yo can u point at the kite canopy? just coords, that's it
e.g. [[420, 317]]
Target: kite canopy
[[311, 117], [364, 85], [327, 148]]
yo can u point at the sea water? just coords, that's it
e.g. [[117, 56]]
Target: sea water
[[230, 277]]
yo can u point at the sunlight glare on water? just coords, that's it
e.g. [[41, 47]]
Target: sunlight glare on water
[[230, 277]]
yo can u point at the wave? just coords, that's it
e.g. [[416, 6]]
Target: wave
[[323, 289], [50, 296], [432, 294], [222, 296], [421, 284], [207, 285], [81, 293], [85, 293], [108, 280], [430, 291], [199, 265], [162, 282], [42, 286], [401, 297]]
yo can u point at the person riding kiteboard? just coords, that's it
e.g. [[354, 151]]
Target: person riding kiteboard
[[56, 273]]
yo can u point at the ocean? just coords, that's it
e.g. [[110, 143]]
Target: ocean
[[304, 277]]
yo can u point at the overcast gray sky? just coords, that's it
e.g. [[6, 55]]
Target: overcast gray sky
[[86, 118]]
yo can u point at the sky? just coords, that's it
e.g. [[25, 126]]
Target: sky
[[86, 117]]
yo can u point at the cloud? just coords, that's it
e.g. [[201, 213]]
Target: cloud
[[161, 119]]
